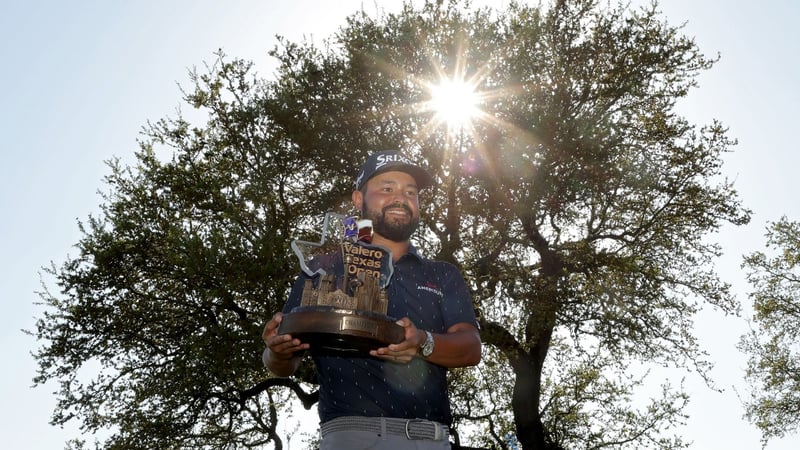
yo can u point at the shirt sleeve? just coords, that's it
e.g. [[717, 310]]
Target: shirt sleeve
[[295, 295], [457, 300]]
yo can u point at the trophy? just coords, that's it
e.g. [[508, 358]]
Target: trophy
[[344, 300]]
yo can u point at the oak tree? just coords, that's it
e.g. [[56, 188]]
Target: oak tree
[[573, 199], [774, 357]]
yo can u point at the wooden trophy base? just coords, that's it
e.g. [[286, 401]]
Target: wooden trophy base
[[341, 330]]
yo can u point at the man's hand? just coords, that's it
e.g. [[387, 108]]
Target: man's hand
[[405, 351], [279, 356]]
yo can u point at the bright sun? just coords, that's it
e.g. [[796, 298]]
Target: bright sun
[[455, 103]]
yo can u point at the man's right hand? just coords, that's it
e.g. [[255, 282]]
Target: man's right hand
[[280, 355]]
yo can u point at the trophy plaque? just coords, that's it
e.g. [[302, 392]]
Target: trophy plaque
[[344, 300]]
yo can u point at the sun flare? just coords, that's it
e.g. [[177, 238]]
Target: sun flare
[[454, 102]]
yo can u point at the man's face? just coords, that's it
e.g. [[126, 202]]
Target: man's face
[[391, 201]]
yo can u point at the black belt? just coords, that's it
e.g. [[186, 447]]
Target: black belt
[[410, 428]]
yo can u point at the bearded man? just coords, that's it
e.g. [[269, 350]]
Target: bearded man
[[395, 397]]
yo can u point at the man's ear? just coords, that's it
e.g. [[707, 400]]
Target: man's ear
[[358, 199]]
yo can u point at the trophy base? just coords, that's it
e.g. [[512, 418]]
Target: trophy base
[[326, 328]]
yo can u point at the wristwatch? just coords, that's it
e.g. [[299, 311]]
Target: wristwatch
[[427, 347]]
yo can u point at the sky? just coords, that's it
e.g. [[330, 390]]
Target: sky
[[82, 78]]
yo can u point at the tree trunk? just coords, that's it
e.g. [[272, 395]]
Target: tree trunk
[[526, 400], [525, 404]]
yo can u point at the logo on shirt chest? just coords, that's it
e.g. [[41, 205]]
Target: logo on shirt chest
[[432, 288]]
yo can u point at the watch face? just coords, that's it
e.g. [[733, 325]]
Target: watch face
[[427, 347]]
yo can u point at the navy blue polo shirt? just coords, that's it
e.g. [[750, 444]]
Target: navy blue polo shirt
[[434, 296]]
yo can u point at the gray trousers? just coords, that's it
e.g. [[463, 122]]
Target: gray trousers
[[363, 440]]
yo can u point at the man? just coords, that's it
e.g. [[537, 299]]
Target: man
[[397, 397]]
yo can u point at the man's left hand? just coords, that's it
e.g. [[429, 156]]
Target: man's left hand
[[403, 352]]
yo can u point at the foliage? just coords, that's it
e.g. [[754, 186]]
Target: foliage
[[177, 276], [772, 346], [573, 206]]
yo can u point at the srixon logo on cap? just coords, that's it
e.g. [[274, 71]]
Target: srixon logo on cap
[[382, 160]]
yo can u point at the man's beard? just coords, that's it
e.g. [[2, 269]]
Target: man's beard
[[393, 230]]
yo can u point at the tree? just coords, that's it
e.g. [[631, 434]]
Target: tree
[[573, 202], [174, 279], [774, 357]]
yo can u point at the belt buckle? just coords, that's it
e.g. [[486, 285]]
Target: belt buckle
[[437, 429]]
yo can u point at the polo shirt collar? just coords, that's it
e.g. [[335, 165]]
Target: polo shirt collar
[[412, 251]]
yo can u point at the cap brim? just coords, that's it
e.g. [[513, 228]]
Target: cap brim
[[420, 175]]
